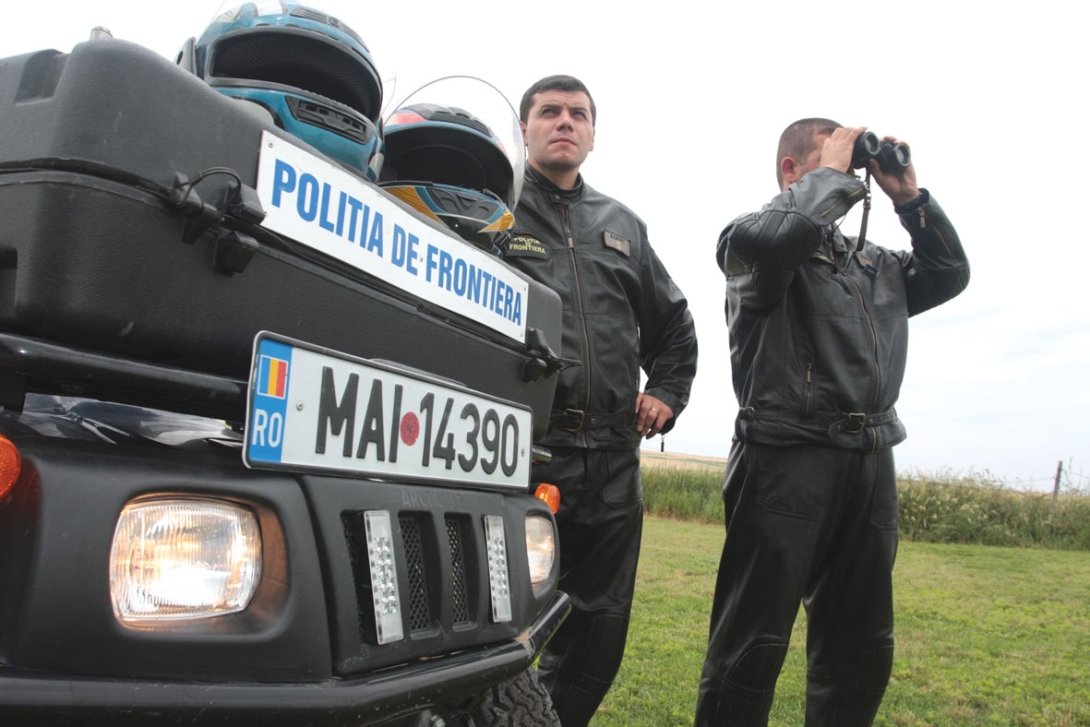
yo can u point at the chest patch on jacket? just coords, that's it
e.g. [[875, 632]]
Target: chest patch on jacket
[[523, 245], [618, 243]]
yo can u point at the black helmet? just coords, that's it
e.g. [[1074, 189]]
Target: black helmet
[[450, 165]]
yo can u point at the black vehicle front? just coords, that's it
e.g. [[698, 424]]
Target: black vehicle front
[[148, 576]]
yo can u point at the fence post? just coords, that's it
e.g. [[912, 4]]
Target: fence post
[[1056, 489]]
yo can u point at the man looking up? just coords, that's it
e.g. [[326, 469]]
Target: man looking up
[[818, 338], [621, 311]]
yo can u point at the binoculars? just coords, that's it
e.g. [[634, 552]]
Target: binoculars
[[891, 157]]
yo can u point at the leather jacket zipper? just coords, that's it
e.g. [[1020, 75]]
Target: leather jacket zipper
[[938, 232], [873, 339], [809, 388], [866, 315], [834, 205], [566, 221]]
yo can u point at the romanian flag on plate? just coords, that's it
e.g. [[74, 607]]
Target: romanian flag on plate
[[272, 377]]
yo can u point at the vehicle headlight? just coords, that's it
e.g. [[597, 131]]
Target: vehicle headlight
[[540, 549], [179, 558]]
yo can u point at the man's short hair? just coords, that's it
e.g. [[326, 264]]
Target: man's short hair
[[797, 141], [554, 83]]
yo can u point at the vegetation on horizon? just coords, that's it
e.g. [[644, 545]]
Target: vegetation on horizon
[[940, 508]]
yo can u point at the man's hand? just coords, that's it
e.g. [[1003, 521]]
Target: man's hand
[[900, 186], [651, 415], [836, 151]]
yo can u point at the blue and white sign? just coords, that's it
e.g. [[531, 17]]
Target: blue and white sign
[[311, 408], [324, 207]]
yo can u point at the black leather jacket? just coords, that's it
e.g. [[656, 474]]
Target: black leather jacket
[[819, 333], [621, 311]]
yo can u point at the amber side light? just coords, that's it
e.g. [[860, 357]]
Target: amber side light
[[11, 464], [550, 494]]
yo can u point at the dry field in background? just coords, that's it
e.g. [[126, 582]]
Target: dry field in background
[[654, 458]]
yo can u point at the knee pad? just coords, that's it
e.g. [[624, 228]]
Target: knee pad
[[863, 673], [851, 696], [758, 668], [742, 696], [869, 674], [578, 667], [591, 651]]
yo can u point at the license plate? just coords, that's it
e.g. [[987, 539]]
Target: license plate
[[311, 408]]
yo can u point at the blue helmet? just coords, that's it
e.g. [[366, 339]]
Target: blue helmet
[[307, 70], [449, 165]]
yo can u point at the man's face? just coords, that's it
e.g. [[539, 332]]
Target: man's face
[[559, 132]]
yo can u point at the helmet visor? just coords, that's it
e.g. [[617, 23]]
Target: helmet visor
[[488, 106]]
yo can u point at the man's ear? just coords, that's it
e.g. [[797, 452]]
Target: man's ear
[[523, 127], [789, 170]]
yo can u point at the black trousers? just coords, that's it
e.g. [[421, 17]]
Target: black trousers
[[600, 522], [808, 524]]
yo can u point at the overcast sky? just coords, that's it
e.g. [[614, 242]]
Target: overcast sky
[[690, 107]]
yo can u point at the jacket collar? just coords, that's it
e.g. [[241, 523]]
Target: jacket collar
[[539, 180]]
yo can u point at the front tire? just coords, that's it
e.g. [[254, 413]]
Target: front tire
[[518, 702]]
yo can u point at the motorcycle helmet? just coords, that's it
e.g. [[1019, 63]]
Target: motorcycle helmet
[[449, 165], [308, 71]]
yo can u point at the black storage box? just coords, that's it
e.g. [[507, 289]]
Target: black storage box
[[101, 247]]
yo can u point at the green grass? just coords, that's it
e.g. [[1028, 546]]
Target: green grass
[[985, 636]]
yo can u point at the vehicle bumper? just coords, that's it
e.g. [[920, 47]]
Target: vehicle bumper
[[42, 699]]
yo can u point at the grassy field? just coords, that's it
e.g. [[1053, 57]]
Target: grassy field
[[985, 636]]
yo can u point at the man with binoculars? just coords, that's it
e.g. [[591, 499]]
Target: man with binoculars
[[818, 333]]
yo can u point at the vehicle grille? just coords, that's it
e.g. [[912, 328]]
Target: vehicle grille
[[459, 595], [436, 573], [420, 617]]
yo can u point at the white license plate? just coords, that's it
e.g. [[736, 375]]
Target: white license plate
[[311, 408]]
